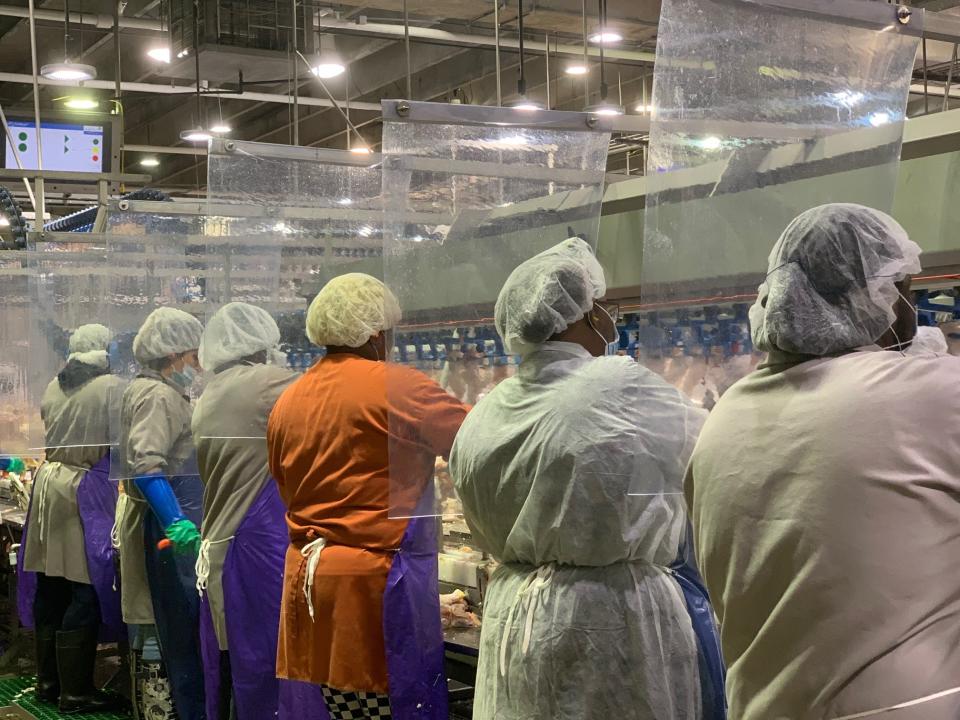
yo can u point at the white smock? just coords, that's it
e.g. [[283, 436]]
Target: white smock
[[581, 621]]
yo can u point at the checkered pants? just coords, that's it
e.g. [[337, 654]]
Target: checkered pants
[[356, 706]]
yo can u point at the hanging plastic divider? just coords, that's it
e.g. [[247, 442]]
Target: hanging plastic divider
[[69, 288], [472, 192], [759, 113], [20, 426], [319, 210]]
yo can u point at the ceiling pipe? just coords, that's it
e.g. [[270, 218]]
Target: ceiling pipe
[[466, 39], [157, 89], [104, 22], [163, 150]]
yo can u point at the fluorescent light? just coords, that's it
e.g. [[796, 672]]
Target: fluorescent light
[[606, 36], [641, 108], [879, 118], [150, 162], [3, 221], [220, 128], [360, 150], [576, 69], [160, 54], [183, 53], [327, 70], [418, 238], [68, 71], [81, 103], [710, 143], [365, 231], [196, 135], [345, 201]]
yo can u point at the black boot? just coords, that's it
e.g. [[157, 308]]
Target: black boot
[[48, 681], [76, 655]]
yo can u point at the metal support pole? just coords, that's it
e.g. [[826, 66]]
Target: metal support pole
[[496, 51], [41, 210], [36, 95], [546, 42], [16, 157], [118, 89], [296, 73], [926, 88], [406, 44], [946, 90], [586, 57]]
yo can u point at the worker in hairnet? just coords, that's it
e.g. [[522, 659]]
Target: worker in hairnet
[[570, 475], [824, 489], [163, 501], [240, 565], [351, 440], [929, 340], [67, 532]]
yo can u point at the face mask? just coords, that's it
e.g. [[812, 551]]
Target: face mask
[[612, 346], [184, 378]]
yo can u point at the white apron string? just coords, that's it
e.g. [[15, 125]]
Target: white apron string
[[527, 594], [901, 706], [311, 551], [202, 567]]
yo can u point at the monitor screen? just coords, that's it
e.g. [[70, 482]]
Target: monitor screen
[[66, 146]]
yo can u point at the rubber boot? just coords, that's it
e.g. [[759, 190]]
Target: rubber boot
[[48, 680], [76, 655]]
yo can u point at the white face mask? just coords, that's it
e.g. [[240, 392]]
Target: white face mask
[[612, 346]]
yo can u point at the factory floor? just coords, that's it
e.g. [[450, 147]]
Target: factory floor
[[17, 702]]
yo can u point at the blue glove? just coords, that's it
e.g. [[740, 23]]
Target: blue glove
[[156, 489]]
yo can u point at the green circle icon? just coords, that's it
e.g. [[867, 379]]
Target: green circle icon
[[22, 147], [23, 136], [96, 141]]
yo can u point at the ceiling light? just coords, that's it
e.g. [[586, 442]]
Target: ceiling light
[[606, 36], [576, 70], [345, 201], [160, 54], [220, 128], [641, 108], [710, 143], [80, 103], [605, 109], [360, 150], [183, 53], [68, 71], [150, 162], [327, 70], [365, 231], [3, 221], [879, 118], [418, 238], [196, 135]]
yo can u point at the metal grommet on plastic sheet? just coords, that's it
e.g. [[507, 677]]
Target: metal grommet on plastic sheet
[[592, 121], [403, 108], [230, 146], [124, 204], [904, 14]]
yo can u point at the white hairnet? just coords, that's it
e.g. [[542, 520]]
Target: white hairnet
[[546, 294], [830, 281], [235, 331], [927, 341], [350, 309], [88, 345], [166, 331]]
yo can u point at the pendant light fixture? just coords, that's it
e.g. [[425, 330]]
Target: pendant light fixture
[[198, 134], [66, 70], [522, 102], [604, 107]]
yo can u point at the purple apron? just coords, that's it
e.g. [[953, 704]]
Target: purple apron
[[412, 631], [252, 591], [97, 504]]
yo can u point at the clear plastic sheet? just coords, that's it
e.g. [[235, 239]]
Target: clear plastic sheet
[[759, 114], [20, 426], [466, 202]]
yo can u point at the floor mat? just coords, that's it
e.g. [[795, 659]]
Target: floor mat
[[19, 691]]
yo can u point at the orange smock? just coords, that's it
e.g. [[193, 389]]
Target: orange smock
[[328, 438]]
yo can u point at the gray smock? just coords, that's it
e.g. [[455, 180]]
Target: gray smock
[[77, 424], [230, 433], [154, 437], [581, 620], [825, 499]]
